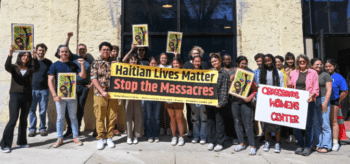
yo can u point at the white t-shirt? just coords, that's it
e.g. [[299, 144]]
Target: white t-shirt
[[23, 72]]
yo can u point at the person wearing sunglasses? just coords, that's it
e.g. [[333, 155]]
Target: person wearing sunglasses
[[141, 52], [305, 78]]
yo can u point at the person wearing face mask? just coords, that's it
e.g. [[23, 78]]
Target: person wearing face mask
[[20, 97], [269, 75], [141, 52], [339, 92], [305, 78], [322, 130]]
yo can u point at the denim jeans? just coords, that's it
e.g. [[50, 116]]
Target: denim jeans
[[199, 121], [82, 94], [41, 97], [19, 106], [243, 114], [152, 111], [72, 112], [307, 142], [322, 127]]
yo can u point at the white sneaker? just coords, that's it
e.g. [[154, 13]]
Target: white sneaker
[[161, 132], [335, 147], [266, 147], [110, 143], [210, 146], [195, 140], [218, 148], [150, 140], [129, 141], [135, 140], [156, 139], [100, 144], [173, 141], [181, 141], [202, 142], [6, 150], [168, 132]]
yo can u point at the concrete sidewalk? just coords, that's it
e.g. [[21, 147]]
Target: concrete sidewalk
[[41, 151]]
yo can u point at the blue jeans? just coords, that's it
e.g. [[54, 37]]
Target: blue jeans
[[307, 142], [41, 97], [199, 121], [152, 110], [72, 112], [323, 131]]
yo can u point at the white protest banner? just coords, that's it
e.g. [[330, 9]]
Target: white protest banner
[[282, 106]]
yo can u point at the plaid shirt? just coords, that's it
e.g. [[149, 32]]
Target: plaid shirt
[[223, 82], [101, 70]]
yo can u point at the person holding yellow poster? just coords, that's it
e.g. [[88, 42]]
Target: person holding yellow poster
[[140, 35]]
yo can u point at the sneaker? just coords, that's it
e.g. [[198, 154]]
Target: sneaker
[[100, 144], [306, 152], [129, 141], [189, 134], [22, 146], [58, 143], [43, 133], [299, 150], [173, 141], [210, 146], [168, 132], [161, 132], [31, 134], [116, 132], [181, 141], [252, 151], [235, 141], [6, 150], [266, 147], [156, 139], [195, 140], [110, 143], [78, 142], [135, 140], [335, 147], [68, 134], [202, 142], [277, 148], [150, 140], [218, 148], [239, 148]]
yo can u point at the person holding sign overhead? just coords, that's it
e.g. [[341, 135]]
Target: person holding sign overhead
[[242, 111], [215, 114], [20, 97], [61, 66], [305, 78], [270, 75], [339, 92]]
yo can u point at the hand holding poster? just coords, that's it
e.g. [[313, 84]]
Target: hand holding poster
[[282, 106], [140, 35], [139, 82], [174, 41], [241, 84], [66, 87], [22, 37]]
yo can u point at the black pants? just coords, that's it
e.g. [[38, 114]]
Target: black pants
[[215, 125], [229, 123], [188, 113], [20, 103], [82, 94]]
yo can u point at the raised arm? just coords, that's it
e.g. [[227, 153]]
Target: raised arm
[[69, 35], [8, 65], [82, 72], [126, 57]]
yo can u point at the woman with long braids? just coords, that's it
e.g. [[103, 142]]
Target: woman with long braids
[[270, 75]]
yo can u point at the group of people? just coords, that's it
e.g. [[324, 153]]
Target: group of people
[[33, 77]]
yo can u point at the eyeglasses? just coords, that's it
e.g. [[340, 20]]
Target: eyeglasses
[[302, 61]]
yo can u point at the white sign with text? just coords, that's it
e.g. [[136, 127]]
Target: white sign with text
[[282, 106]]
